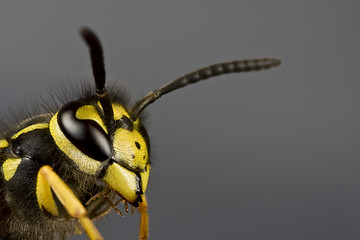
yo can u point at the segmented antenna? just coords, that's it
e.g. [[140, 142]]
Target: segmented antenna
[[98, 68], [202, 74]]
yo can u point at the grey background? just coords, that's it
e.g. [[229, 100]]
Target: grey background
[[266, 155]]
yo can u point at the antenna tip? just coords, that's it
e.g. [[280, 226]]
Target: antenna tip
[[89, 36], [274, 62], [85, 31]]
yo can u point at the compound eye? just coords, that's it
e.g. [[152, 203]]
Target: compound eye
[[85, 134]]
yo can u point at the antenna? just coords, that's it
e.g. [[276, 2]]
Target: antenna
[[247, 65], [98, 68]]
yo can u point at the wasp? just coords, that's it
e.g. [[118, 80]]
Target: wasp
[[79, 156]]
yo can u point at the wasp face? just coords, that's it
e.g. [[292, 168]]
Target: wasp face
[[116, 151]]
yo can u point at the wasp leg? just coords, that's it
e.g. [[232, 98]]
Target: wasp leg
[[70, 202], [144, 221]]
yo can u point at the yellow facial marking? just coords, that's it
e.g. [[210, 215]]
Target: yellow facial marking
[[84, 162], [119, 111], [9, 167], [122, 181], [90, 112], [99, 104], [44, 195], [30, 128], [130, 147], [4, 143]]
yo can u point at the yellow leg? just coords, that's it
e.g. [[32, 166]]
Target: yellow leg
[[70, 202], [144, 221]]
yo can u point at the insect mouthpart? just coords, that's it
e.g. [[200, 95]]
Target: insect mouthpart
[[109, 196], [129, 185]]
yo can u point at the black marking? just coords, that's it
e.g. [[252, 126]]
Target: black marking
[[139, 191], [125, 122], [137, 144], [18, 150], [100, 173]]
